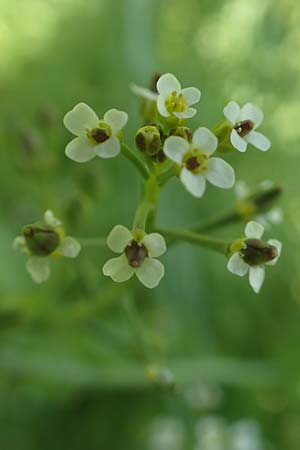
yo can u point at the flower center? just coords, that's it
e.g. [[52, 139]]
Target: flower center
[[258, 252], [244, 127], [136, 253], [175, 103], [41, 241], [100, 134], [195, 161]]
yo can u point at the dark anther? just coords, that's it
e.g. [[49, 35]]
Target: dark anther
[[192, 163], [99, 135], [136, 253], [244, 127]]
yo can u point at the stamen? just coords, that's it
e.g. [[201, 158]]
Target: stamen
[[136, 253]]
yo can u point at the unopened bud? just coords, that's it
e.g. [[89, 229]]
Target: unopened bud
[[258, 252], [184, 132], [148, 140], [41, 241]]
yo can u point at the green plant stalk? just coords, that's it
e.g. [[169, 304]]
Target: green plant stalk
[[195, 238], [146, 211], [135, 160]]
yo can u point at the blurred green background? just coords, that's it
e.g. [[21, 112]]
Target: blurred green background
[[74, 351]]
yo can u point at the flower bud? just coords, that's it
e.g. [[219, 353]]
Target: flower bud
[[184, 132], [40, 240], [257, 252], [148, 140]]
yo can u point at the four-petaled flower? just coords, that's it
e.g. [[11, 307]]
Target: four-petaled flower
[[244, 123], [138, 252], [94, 136], [251, 254], [172, 100], [196, 163], [43, 241]]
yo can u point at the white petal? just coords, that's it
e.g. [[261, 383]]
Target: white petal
[[167, 83], [191, 95], [51, 220], [241, 189], [194, 183], [80, 150], [204, 139], [150, 273], [275, 216], [118, 269], [161, 106], [256, 277], [253, 113], [232, 112], [143, 92], [69, 247], [237, 141], [116, 119], [119, 238], [38, 268], [278, 245], [220, 173], [19, 243], [155, 244], [258, 140], [109, 148], [175, 148], [188, 114], [254, 230], [80, 119], [237, 266]]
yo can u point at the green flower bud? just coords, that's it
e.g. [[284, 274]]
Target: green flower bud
[[256, 252], [184, 132], [160, 157], [148, 140], [41, 240]]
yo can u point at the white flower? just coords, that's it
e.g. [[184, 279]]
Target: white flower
[[239, 263], [272, 217], [94, 136], [38, 265], [174, 100], [245, 121], [138, 252], [197, 166]]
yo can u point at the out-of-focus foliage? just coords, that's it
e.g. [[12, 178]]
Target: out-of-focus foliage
[[74, 352]]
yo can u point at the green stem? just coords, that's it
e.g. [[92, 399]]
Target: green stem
[[146, 211], [195, 238], [92, 242], [221, 221], [135, 160], [163, 177]]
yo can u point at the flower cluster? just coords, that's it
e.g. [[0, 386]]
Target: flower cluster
[[166, 148]]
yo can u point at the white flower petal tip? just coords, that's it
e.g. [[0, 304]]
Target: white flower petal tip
[[254, 230], [258, 140], [237, 266], [70, 247], [119, 238], [19, 243], [220, 173], [80, 119], [256, 277], [38, 268], [237, 141], [80, 150], [143, 92], [51, 220], [155, 244], [172, 100], [205, 140], [232, 112], [118, 269], [150, 273], [175, 148], [278, 245], [116, 119], [194, 183]]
